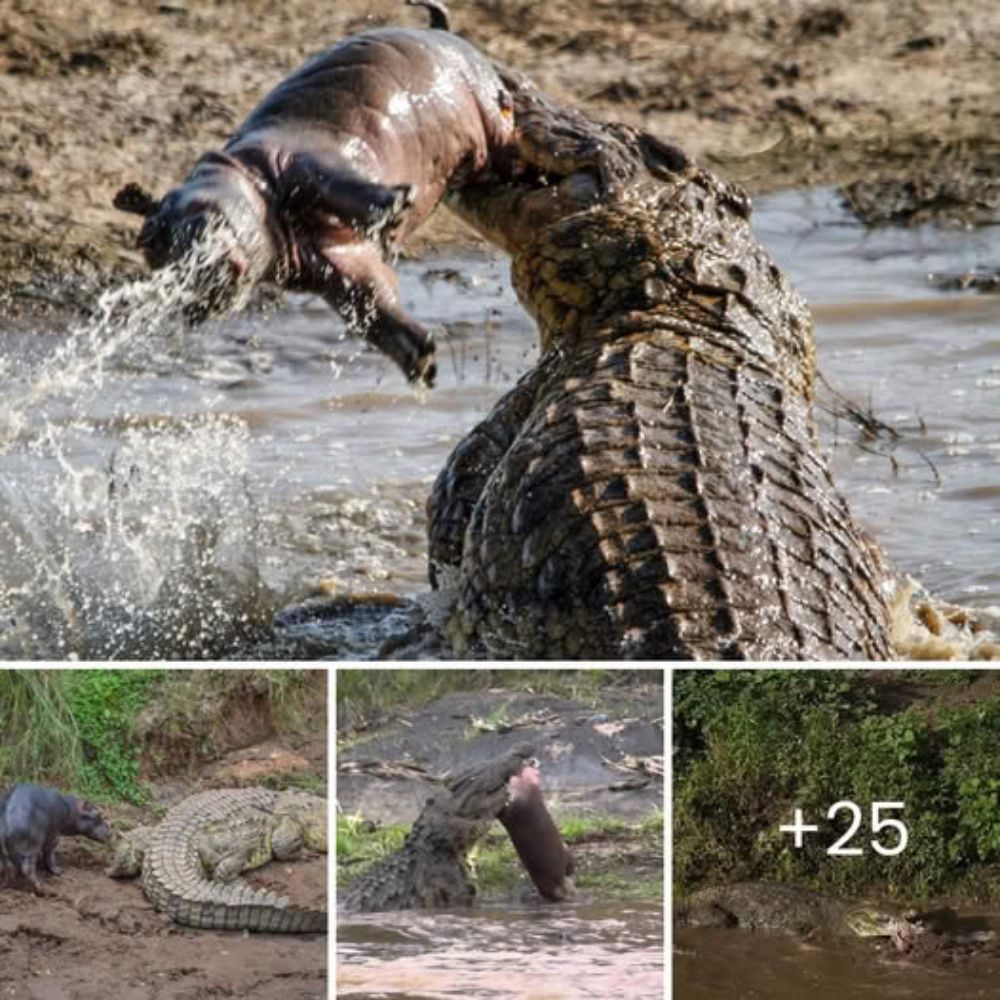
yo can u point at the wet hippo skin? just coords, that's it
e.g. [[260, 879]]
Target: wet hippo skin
[[334, 169], [535, 837]]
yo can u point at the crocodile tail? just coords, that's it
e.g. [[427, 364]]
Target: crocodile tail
[[234, 907], [258, 917]]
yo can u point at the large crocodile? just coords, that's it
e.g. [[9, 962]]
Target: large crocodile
[[190, 862], [654, 487], [431, 869], [773, 906]]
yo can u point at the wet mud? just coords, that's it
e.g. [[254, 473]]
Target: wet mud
[[95, 937], [773, 94], [572, 739]]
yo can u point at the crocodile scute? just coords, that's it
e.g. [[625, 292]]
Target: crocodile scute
[[654, 488], [240, 828], [431, 869]]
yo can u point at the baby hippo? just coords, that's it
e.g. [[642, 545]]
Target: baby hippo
[[332, 171], [31, 821], [535, 837]]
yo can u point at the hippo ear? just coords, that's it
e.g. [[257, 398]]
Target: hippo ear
[[135, 200]]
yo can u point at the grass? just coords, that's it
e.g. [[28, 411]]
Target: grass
[[611, 874], [750, 747], [43, 737], [303, 781], [77, 729]]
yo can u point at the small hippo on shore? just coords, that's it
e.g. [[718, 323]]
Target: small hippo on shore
[[32, 819], [332, 172], [535, 836]]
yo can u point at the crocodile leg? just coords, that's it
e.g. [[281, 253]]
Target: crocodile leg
[[461, 481]]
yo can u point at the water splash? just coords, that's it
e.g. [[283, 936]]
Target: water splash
[[145, 308], [144, 547]]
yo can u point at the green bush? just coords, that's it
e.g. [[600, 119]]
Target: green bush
[[104, 704], [751, 746]]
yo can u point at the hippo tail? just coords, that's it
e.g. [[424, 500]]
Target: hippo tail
[[438, 10]]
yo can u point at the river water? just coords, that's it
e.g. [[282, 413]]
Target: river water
[[538, 952], [718, 964], [162, 495]]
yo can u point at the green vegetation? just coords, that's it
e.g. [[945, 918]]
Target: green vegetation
[[40, 734], [360, 844], [628, 863], [367, 695], [751, 746], [104, 704], [93, 731], [71, 727]]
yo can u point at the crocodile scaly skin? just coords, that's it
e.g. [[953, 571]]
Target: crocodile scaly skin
[[655, 487], [175, 883]]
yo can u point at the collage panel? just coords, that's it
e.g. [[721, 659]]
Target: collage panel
[[836, 833], [498, 329], [163, 834], [500, 833]]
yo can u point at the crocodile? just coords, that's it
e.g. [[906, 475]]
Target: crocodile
[[190, 862], [774, 906], [431, 867], [654, 488]]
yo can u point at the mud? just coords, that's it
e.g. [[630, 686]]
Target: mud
[[99, 92], [91, 937]]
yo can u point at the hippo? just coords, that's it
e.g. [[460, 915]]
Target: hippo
[[333, 170], [31, 821], [535, 837]]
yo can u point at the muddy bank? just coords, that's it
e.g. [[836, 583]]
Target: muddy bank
[[772, 94], [573, 740], [96, 937]]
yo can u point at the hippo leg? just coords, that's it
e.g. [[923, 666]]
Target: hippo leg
[[26, 866], [365, 292], [49, 857]]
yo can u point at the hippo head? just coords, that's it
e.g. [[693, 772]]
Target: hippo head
[[219, 218], [85, 819]]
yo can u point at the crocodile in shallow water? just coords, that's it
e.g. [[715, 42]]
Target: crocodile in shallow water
[[430, 869], [190, 862], [772, 906], [654, 488]]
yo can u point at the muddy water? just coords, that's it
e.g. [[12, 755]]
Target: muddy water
[[191, 484], [541, 953], [714, 964]]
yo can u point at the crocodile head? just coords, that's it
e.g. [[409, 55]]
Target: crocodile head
[[301, 817], [871, 921], [127, 852]]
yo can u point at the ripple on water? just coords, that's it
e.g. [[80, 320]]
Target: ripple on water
[[576, 951]]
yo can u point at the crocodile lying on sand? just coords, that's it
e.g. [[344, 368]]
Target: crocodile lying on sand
[[771, 906], [430, 869], [190, 862], [654, 488]]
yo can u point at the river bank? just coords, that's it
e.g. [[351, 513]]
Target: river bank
[[891, 101]]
